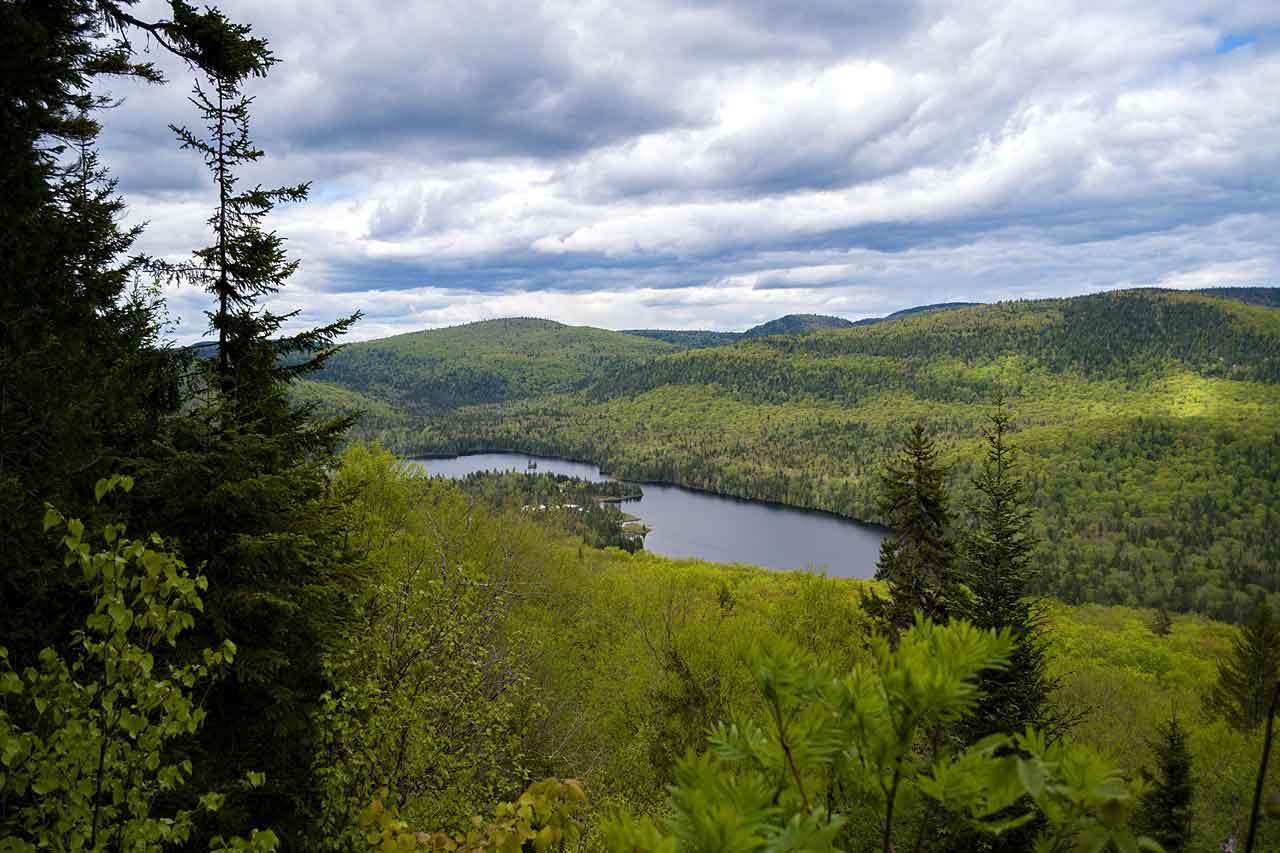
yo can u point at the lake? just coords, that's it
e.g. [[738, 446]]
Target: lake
[[688, 523]]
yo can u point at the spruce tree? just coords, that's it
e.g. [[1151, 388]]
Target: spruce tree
[[1248, 675], [242, 478], [1165, 811], [917, 562], [79, 369], [87, 388], [997, 571]]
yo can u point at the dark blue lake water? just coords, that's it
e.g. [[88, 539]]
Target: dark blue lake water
[[688, 523]]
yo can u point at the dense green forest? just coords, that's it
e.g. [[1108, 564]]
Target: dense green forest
[[687, 339], [1151, 420], [580, 508], [228, 624], [490, 361], [796, 324]]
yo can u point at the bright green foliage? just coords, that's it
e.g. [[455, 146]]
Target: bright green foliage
[[600, 703], [427, 679], [1149, 431], [1084, 801], [547, 816], [835, 751], [87, 742], [918, 561], [1247, 678], [1125, 680], [1166, 809]]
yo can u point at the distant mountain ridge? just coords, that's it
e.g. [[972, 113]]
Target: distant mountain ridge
[[1268, 296], [925, 309], [789, 324], [797, 324]]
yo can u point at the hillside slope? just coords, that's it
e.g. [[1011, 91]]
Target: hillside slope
[[796, 324], [1252, 295], [1150, 422], [490, 361], [687, 338]]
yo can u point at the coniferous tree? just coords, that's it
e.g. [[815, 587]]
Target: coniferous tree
[[918, 562], [1165, 811], [242, 477], [81, 376], [1247, 677], [995, 567], [997, 571], [86, 387]]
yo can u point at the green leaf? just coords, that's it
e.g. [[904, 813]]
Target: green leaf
[[120, 615], [10, 683], [1031, 775]]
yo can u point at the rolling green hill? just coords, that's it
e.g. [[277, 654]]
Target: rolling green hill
[[796, 324], [427, 372], [1150, 422]]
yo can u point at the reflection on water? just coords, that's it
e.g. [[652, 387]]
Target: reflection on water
[[688, 523]]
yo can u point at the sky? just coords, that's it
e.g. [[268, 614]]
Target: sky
[[713, 165]]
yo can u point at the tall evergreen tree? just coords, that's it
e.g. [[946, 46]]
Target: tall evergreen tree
[[1165, 812], [86, 389], [918, 562], [996, 570], [1247, 677], [80, 371], [241, 478]]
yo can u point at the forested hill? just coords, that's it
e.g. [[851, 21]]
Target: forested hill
[[1253, 295], [1150, 421], [490, 361], [921, 309], [796, 324], [1131, 335]]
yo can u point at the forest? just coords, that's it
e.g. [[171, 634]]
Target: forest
[[229, 622], [1150, 419]]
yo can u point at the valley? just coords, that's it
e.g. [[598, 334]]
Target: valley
[[1149, 424]]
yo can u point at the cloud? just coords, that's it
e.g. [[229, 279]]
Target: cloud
[[715, 163]]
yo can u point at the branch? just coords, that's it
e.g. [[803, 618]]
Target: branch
[[157, 30]]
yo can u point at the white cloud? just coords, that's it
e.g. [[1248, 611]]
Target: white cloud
[[703, 163]]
